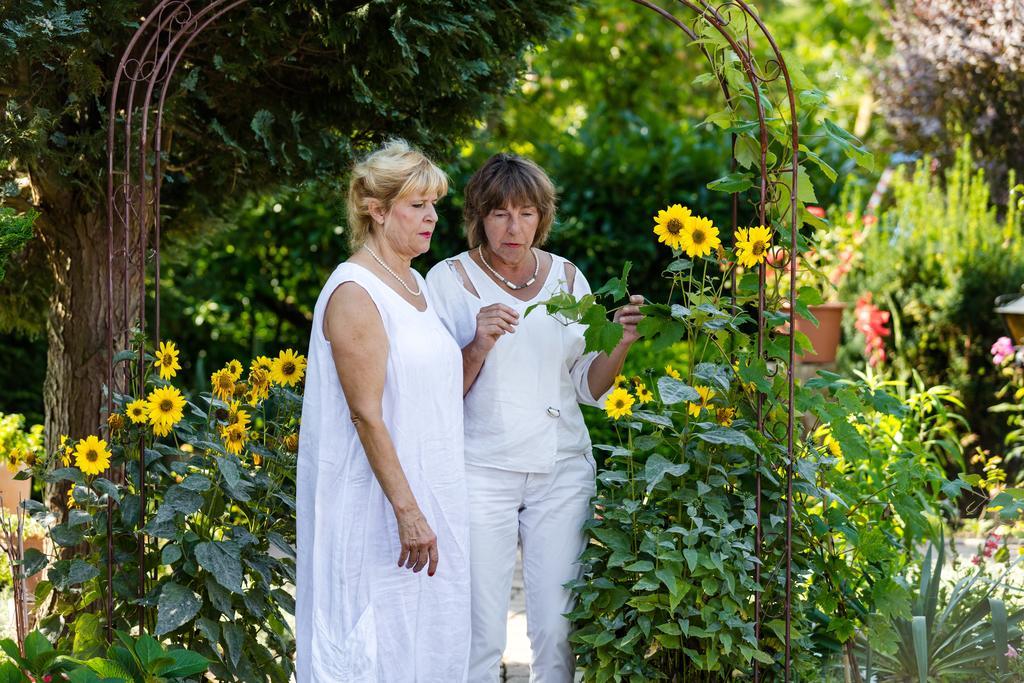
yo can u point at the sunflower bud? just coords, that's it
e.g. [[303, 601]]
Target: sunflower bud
[[115, 422], [291, 443]]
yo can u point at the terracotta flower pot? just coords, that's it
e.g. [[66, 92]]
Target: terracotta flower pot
[[12, 489], [825, 337]]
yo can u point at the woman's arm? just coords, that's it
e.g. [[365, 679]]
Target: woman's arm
[[359, 346]]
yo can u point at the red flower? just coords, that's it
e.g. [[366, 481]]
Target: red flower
[[816, 211], [872, 322]]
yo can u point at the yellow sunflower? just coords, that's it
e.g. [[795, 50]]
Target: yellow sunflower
[[620, 380], [234, 368], [672, 372], [643, 394], [259, 385], [261, 363], [725, 416], [699, 237], [165, 409], [833, 446], [91, 455], [236, 415], [752, 245], [223, 384], [71, 498], [234, 437], [287, 369], [138, 411], [291, 443], [706, 394], [167, 360], [66, 451], [619, 404], [670, 223]]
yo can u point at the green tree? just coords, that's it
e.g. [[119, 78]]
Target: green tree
[[279, 93]]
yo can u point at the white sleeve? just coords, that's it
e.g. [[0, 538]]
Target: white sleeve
[[447, 296], [580, 369]]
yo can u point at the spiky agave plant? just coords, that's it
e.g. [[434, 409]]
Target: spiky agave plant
[[952, 635]]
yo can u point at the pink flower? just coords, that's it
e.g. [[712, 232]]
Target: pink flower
[[1001, 350], [816, 211], [872, 323], [1011, 652], [976, 559]]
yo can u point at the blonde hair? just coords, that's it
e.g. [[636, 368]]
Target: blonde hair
[[505, 179], [393, 172]]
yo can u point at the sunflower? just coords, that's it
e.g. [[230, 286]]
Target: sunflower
[[619, 404], [288, 368], [238, 416], [699, 237], [234, 368], [91, 455], [223, 384], [71, 498], [643, 394], [166, 406], [115, 422], [833, 446], [752, 245], [138, 411], [234, 437], [261, 363], [291, 443], [167, 360], [706, 394], [66, 451], [725, 416], [672, 372], [259, 385], [670, 223], [620, 380]]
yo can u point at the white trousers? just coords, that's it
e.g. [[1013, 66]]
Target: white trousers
[[545, 514]]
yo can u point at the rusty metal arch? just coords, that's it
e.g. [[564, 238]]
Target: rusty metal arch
[[134, 178]]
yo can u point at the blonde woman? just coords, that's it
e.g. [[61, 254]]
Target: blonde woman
[[383, 539]]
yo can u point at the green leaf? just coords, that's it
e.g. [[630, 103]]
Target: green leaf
[[221, 559], [182, 500], [732, 182], [33, 562], [36, 644], [727, 435], [148, 650], [185, 664], [234, 637], [601, 334], [107, 487], [616, 286], [64, 574], [177, 606], [673, 391], [658, 467], [88, 635], [65, 536]]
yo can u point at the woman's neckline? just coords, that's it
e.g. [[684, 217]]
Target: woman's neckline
[[394, 291], [506, 293]]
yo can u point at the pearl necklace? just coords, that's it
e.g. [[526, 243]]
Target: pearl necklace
[[393, 273], [507, 283]]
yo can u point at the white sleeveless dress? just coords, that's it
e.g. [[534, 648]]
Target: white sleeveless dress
[[360, 617]]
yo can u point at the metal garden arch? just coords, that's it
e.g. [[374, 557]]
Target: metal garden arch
[[139, 92]]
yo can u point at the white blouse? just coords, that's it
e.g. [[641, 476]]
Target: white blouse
[[522, 413]]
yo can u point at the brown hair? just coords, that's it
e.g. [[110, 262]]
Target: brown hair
[[508, 179], [394, 171]]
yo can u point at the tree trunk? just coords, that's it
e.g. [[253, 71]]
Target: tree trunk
[[76, 325]]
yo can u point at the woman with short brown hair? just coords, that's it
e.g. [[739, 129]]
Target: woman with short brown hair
[[529, 468]]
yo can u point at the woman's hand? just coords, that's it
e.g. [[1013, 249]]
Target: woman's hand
[[491, 323], [419, 543], [629, 316]]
